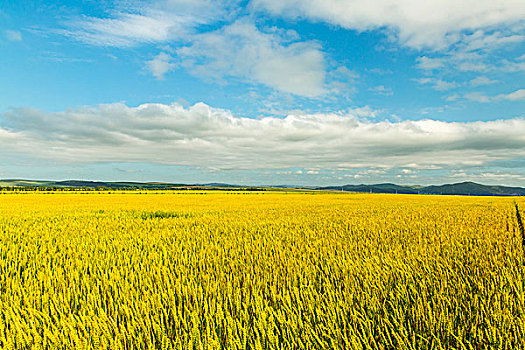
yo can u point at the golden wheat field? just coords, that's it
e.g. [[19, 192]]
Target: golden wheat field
[[233, 270]]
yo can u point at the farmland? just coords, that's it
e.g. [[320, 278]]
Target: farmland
[[260, 270]]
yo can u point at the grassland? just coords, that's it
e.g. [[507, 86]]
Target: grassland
[[260, 271]]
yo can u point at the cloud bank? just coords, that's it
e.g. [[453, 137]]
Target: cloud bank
[[206, 137]]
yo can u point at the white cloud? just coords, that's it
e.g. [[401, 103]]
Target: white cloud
[[482, 40], [127, 29], [429, 63], [423, 167], [380, 71], [484, 176], [441, 85], [202, 136], [371, 171], [242, 51], [472, 67], [437, 84], [363, 112], [13, 35], [512, 67], [464, 58], [482, 80], [382, 90], [159, 21], [419, 24], [160, 65], [518, 95], [239, 50], [478, 97]]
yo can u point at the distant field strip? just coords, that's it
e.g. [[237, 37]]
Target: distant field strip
[[260, 271]]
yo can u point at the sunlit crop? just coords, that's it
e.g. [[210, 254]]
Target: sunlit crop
[[260, 271]]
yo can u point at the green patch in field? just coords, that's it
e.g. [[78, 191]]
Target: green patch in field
[[163, 215]]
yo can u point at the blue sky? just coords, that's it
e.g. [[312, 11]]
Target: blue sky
[[264, 91]]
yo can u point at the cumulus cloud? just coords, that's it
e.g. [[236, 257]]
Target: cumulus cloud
[[160, 65], [419, 24], [202, 136], [242, 51]]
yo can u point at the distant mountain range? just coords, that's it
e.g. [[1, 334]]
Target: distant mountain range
[[463, 188]]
